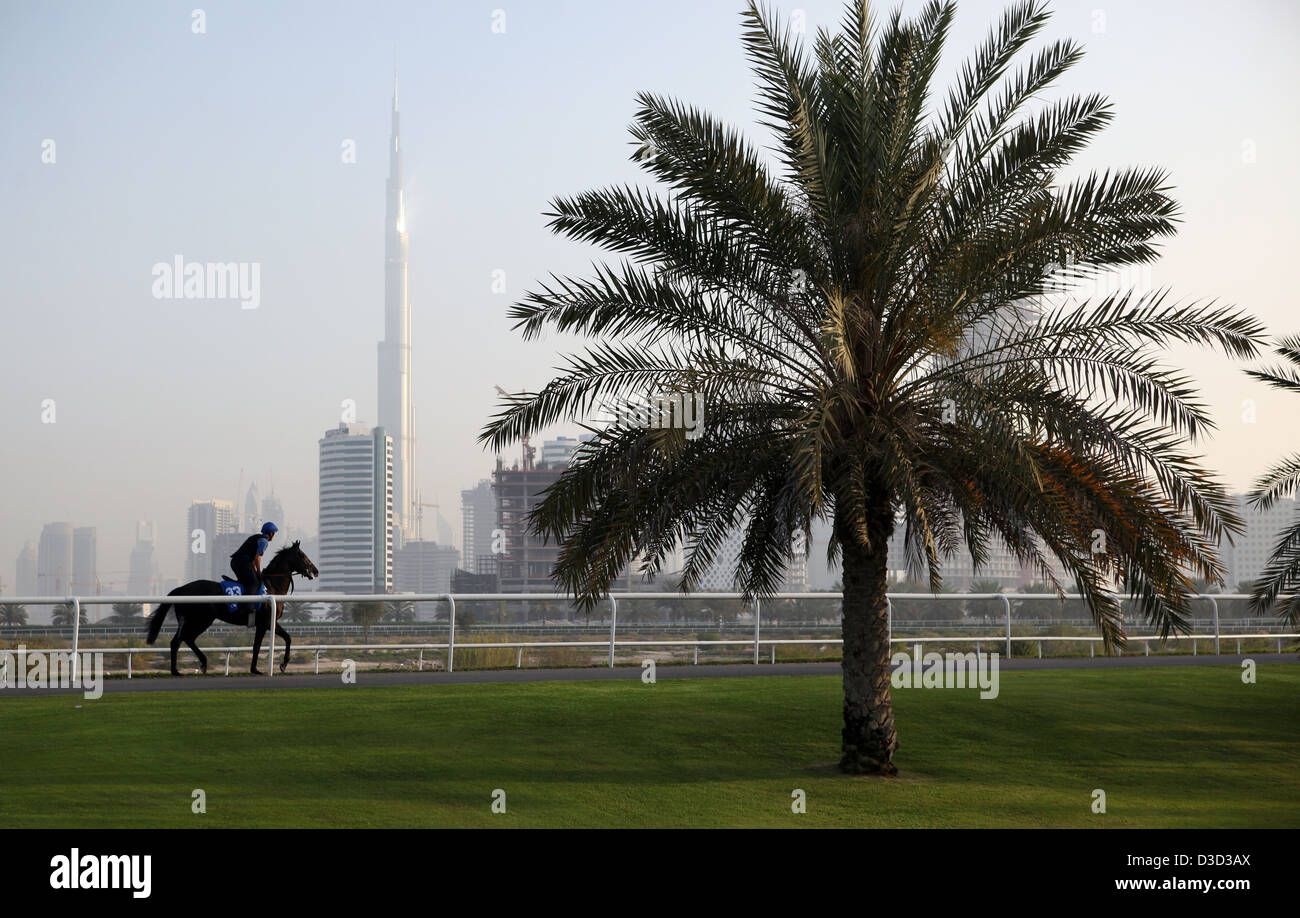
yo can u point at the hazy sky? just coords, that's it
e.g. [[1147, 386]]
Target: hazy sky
[[226, 146]]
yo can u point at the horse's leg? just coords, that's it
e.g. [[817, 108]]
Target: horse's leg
[[189, 633], [288, 643], [176, 646], [257, 647]]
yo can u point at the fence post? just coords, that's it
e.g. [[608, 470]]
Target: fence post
[[1006, 603], [451, 633], [76, 637], [227, 663], [420, 665], [613, 627], [1214, 603], [889, 623], [756, 614], [270, 661]]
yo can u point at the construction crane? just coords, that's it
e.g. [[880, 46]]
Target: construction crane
[[419, 514], [528, 450]]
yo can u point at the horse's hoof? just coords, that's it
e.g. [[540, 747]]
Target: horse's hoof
[[176, 672], [256, 672]]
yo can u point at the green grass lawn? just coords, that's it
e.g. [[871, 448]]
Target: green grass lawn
[[1177, 746]]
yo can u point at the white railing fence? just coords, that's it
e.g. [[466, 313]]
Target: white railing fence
[[755, 605]]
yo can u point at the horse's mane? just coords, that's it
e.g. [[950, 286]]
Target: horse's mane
[[276, 556]]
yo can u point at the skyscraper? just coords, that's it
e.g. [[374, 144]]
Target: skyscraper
[[558, 453], [396, 401], [424, 567], [273, 510], [356, 510], [527, 563], [478, 511], [214, 518], [143, 577], [85, 574], [251, 500], [1246, 560], [54, 561], [25, 584]]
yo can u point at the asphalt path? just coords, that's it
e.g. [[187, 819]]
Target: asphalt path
[[364, 679]]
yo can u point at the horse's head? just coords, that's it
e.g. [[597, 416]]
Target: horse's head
[[298, 561]]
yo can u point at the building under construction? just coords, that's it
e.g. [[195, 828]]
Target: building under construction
[[525, 561]]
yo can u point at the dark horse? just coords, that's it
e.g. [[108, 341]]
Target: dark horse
[[193, 620]]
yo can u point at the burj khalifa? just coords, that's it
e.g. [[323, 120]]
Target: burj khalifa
[[396, 393]]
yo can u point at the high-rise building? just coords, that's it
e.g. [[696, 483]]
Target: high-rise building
[[85, 574], [396, 394], [1248, 557], [251, 501], [212, 518], [222, 547], [146, 531], [721, 575], [445, 535], [356, 510], [558, 453], [143, 577], [54, 561], [527, 563], [273, 510], [424, 567], [26, 582], [478, 511]]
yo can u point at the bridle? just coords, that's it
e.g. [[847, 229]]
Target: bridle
[[286, 575]]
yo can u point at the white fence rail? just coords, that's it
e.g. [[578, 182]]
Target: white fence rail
[[613, 643]]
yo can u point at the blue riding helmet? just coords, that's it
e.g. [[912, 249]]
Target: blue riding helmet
[[268, 528]]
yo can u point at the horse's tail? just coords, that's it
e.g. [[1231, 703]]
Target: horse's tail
[[156, 621]]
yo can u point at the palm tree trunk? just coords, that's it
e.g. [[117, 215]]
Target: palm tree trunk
[[869, 737]]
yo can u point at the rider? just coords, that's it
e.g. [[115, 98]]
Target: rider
[[246, 562]]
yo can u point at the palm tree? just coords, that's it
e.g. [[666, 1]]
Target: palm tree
[[1282, 573], [13, 613], [126, 613], [985, 608], [366, 614], [1022, 609], [298, 613], [869, 324], [62, 615], [400, 611]]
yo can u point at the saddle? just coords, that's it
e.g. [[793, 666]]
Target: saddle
[[232, 587]]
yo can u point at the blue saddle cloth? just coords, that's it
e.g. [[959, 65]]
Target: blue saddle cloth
[[233, 588]]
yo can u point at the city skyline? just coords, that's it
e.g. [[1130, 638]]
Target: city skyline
[[119, 367]]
